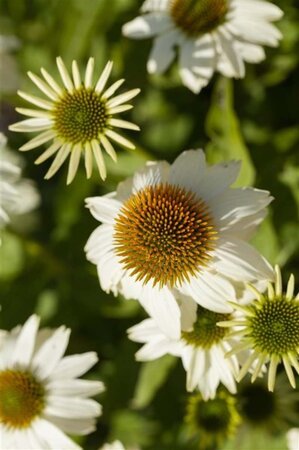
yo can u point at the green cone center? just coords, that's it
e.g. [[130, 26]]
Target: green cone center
[[22, 398], [275, 326], [205, 331], [196, 17], [80, 116]]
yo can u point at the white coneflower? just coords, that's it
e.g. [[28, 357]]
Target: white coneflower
[[269, 327], [17, 195], [202, 347], [77, 117], [178, 226], [210, 34], [41, 396]]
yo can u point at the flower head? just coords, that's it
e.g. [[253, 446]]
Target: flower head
[[269, 327], [202, 347], [17, 195], [77, 118], [273, 412], [212, 421], [180, 227], [40, 393], [210, 34]]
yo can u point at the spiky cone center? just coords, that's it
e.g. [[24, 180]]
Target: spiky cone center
[[214, 420], [164, 233], [273, 326], [206, 332], [80, 116], [22, 398], [197, 17]]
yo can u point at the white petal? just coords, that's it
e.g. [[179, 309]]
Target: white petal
[[50, 80], [44, 104], [122, 98], [250, 52], [72, 407], [188, 309], [98, 155], [99, 244], [123, 124], [51, 437], [26, 341], [38, 140], [147, 26], [293, 438], [151, 175], [51, 352], [61, 156], [188, 169], [74, 163], [48, 153], [76, 75], [144, 331], [76, 388], [221, 364], [256, 32], [155, 5], [43, 86], [197, 62], [108, 147], [104, 209], [217, 178], [30, 125], [89, 73], [163, 52], [88, 159], [110, 273], [119, 139], [101, 83], [64, 74], [233, 64], [110, 91], [210, 290], [161, 305], [232, 205], [74, 366], [195, 369], [79, 427], [259, 9], [239, 260]]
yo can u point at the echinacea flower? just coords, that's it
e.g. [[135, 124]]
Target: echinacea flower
[[41, 396], [178, 226], [269, 328], [78, 118], [211, 35], [214, 421], [202, 347], [17, 195], [272, 412]]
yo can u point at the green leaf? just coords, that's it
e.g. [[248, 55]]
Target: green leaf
[[222, 127], [152, 375], [131, 428], [11, 256]]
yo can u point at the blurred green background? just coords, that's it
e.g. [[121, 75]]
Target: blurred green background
[[43, 267]]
